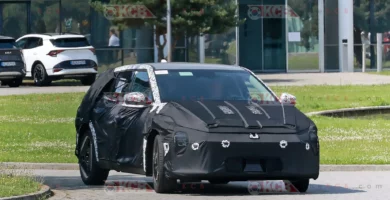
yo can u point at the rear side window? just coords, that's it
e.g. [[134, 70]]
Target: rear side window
[[70, 42], [7, 44]]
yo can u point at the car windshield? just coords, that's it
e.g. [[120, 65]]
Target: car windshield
[[7, 44], [70, 42], [211, 85]]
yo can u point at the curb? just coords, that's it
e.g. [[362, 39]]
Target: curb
[[349, 110], [43, 166], [44, 193], [59, 166]]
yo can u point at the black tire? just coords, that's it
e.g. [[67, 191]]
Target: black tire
[[161, 183], [301, 185], [15, 82], [90, 171], [219, 181], [89, 80], [40, 76]]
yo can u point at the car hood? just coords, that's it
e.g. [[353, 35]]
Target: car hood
[[211, 115]]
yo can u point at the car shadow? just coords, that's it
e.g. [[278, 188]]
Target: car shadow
[[135, 183], [30, 83], [280, 80]]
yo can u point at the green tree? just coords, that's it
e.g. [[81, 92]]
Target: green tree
[[189, 18]]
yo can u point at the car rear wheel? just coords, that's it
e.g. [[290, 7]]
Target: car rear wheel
[[15, 82], [90, 172], [40, 76], [301, 185], [89, 80], [161, 183]]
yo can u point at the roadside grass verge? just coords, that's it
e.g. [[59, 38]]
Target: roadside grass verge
[[40, 128], [14, 183]]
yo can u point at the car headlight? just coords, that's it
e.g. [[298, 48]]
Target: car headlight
[[181, 139], [181, 142], [313, 137]]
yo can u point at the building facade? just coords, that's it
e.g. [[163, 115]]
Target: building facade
[[277, 36]]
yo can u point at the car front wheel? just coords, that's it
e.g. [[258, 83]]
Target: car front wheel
[[301, 185], [161, 183], [90, 172], [15, 82]]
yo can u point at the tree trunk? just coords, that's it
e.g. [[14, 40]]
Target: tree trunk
[[358, 49]]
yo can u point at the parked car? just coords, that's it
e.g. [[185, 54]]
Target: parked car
[[58, 56], [12, 66], [193, 122]]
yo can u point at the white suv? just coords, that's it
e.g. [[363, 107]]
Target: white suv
[[51, 57]]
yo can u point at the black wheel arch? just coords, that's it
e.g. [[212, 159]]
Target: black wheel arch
[[149, 151], [34, 65], [83, 129]]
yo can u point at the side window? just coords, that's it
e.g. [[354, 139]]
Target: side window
[[141, 84], [21, 43], [32, 43]]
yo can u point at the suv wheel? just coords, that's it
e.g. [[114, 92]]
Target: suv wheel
[[89, 80], [301, 185], [161, 183], [90, 171], [15, 82], [40, 76]]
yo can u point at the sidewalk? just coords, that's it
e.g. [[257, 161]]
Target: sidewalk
[[299, 79]]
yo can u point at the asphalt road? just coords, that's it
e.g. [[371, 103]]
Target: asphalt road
[[331, 185]]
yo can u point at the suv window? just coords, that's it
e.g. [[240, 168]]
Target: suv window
[[33, 43], [7, 44], [141, 84], [21, 43], [70, 42]]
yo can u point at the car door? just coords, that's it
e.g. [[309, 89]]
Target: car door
[[130, 122], [105, 115], [29, 48]]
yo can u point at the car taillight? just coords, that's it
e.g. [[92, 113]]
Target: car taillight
[[54, 53], [93, 51], [57, 69]]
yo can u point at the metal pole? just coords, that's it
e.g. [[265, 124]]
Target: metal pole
[[321, 35], [169, 31], [379, 51], [364, 58], [201, 49]]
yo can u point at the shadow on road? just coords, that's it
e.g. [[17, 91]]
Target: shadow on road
[[136, 184], [280, 80]]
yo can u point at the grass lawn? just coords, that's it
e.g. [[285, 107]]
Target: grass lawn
[[12, 184], [40, 128]]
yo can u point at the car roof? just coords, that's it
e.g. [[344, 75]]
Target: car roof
[[2, 37], [55, 35], [193, 66]]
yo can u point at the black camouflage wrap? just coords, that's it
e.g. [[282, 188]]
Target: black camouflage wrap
[[235, 140]]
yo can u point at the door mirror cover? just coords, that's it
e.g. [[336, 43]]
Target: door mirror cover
[[136, 98], [287, 98]]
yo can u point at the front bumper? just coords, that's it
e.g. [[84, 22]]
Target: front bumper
[[244, 159]]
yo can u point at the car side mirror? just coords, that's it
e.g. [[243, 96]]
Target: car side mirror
[[287, 98], [136, 99]]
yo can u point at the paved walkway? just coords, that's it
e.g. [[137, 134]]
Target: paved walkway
[[324, 79], [297, 79]]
